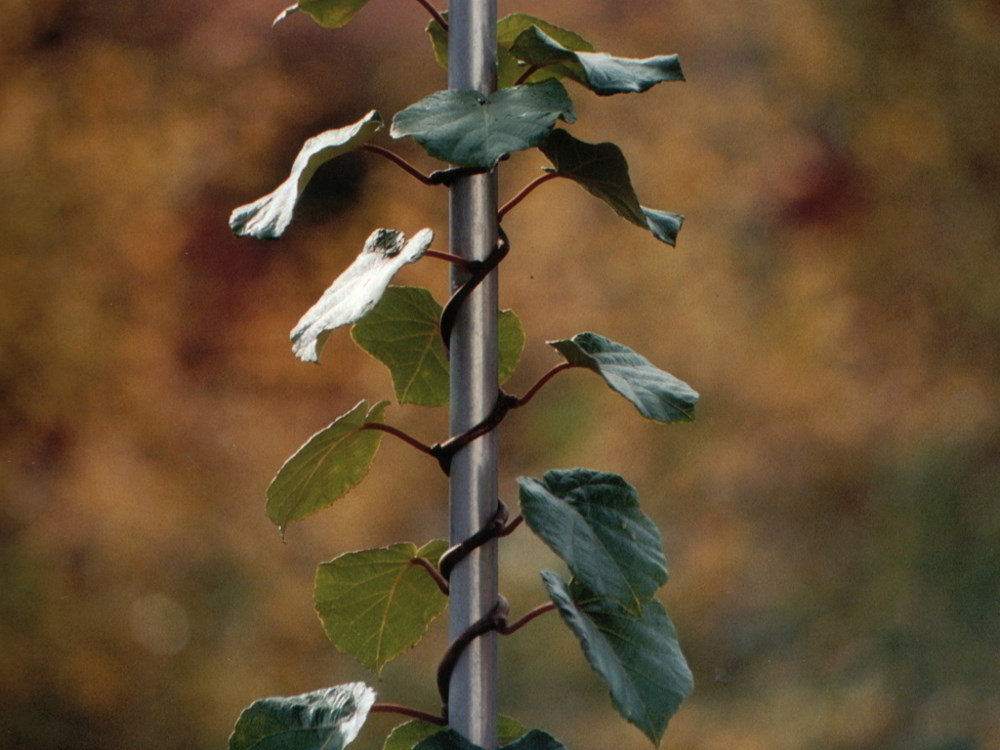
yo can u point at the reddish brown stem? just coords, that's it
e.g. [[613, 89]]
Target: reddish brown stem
[[538, 611], [399, 434], [532, 69], [541, 382], [458, 260], [525, 192], [433, 572], [434, 14], [395, 708], [399, 161]]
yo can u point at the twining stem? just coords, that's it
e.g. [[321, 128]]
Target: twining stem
[[458, 260], [525, 192], [399, 161], [399, 434], [395, 708], [541, 382], [538, 611], [434, 14], [433, 572]]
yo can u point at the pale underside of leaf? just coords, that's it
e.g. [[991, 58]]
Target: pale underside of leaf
[[326, 719], [638, 657], [377, 604], [326, 467], [600, 72], [357, 289], [654, 393], [268, 217], [331, 14]]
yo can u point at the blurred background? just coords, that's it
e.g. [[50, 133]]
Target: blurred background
[[831, 520]]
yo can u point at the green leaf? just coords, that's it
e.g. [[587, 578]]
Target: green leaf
[[357, 289], [601, 169], [637, 656], [402, 332], [324, 469], [268, 217], [655, 393], [332, 14], [592, 520], [470, 129], [509, 68], [407, 736], [601, 73], [322, 720], [376, 604], [536, 739], [449, 739]]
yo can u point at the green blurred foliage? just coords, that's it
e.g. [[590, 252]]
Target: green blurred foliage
[[831, 521]]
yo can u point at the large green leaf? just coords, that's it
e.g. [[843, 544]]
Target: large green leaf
[[601, 169], [656, 394], [449, 739], [268, 217], [357, 289], [591, 519], [376, 604], [601, 73], [636, 655], [324, 469], [402, 332], [509, 68], [322, 720], [332, 14], [407, 736], [470, 129]]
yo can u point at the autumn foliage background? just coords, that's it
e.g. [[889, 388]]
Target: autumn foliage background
[[831, 521]]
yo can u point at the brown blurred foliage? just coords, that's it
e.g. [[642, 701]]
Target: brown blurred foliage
[[832, 520]]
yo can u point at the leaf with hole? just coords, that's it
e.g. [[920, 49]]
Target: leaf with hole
[[323, 470], [402, 332], [656, 394], [600, 72], [331, 14], [377, 603], [471, 129], [636, 655], [409, 735], [601, 169], [591, 519], [268, 217], [358, 289], [321, 720], [509, 68]]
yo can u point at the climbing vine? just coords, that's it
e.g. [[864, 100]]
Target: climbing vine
[[375, 604]]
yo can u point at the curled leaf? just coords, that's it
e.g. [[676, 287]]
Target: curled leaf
[[268, 217], [357, 289]]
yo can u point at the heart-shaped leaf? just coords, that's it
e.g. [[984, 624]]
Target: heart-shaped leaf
[[322, 720], [655, 393], [636, 655], [376, 604], [600, 72], [470, 129], [324, 469], [509, 68], [402, 332], [332, 14], [358, 289], [267, 218], [601, 169], [407, 736], [592, 520]]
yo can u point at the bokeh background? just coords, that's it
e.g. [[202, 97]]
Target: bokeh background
[[831, 521]]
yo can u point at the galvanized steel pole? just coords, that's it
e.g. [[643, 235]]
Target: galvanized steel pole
[[472, 700]]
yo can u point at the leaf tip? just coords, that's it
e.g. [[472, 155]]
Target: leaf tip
[[284, 14]]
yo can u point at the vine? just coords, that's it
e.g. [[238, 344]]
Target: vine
[[375, 604]]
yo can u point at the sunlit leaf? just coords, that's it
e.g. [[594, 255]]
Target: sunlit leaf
[[470, 129], [331, 14], [600, 72], [592, 520], [322, 720], [407, 736], [268, 217], [323, 470], [655, 393], [509, 68], [402, 332], [376, 604], [358, 289], [601, 169], [636, 655]]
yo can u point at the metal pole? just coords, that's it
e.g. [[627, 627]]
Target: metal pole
[[472, 701]]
